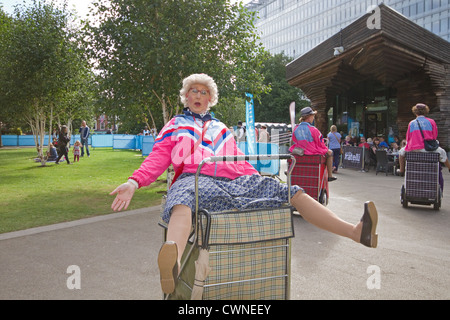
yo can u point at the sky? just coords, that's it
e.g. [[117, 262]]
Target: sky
[[81, 6]]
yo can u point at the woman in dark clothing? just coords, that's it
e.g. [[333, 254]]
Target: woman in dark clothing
[[63, 141]]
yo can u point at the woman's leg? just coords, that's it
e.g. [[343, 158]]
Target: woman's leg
[[169, 258], [180, 225], [329, 158], [402, 162], [320, 216], [64, 154], [60, 154], [336, 158]]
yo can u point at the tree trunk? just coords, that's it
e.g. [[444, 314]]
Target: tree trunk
[[37, 121]]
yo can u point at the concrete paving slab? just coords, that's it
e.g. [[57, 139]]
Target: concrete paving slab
[[116, 254]]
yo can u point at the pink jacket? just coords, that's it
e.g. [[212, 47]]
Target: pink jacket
[[414, 140], [174, 143], [309, 138]]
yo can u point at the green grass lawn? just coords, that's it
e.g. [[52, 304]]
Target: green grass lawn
[[32, 195]]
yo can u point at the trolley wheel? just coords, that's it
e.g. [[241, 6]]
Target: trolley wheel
[[403, 198], [323, 197]]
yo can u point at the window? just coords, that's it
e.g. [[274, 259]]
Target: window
[[420, 7], [436, 4], [444, 24], [436, 27], [405, 11], [413, 9]]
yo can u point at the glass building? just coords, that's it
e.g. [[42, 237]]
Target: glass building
[[296, 26], [361, 76]]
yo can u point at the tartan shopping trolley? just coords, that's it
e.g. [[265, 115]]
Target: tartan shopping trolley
[[421, 184], [247, 253], [310, 173]]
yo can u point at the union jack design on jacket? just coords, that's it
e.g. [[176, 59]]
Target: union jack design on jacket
[[414, 140], [174, 144], [308, 138]]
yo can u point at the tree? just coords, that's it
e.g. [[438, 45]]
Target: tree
[[230, 110], [144, 48], [42, 68], [5, 25], [274, 106]]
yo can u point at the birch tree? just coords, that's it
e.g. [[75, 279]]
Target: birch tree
[[144, 48], [41, 66]]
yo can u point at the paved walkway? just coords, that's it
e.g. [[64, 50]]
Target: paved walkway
[[116, 254]]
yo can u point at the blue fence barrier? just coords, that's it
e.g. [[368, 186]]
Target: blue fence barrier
[[269, 167], [147, 145], [138, 142], [116, 141], [124, 141], [10, 140], [28, 140], [102, 140]]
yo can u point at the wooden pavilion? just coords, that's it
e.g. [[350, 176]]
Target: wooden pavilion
[[373, 72]]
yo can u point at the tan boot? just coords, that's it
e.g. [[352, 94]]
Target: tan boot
[[168, 266]]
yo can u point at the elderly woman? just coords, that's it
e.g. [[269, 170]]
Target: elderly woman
[[308, 138], [222, 185], [415, 138]]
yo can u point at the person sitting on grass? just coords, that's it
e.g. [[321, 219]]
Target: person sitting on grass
[[52, 154]]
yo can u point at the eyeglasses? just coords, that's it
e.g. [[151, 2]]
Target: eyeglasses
[[202, 92]]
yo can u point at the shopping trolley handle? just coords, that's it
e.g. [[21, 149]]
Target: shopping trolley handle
[[247, 157], [244, 158]]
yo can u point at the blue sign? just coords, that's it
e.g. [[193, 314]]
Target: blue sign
[[250, 124]]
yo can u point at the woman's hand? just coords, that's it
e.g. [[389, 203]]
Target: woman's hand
[[124, 193]]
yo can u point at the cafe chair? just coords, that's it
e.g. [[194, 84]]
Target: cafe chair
[[383, 162]]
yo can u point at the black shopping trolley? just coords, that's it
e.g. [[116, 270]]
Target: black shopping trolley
[[246, 253], [421, 184]]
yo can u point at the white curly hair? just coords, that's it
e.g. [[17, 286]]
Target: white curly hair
[[200, 78]]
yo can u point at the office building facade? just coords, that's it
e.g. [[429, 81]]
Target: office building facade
[[364, 69], [296, 26]]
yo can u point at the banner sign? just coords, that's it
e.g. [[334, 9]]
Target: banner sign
[[250, 124], [353, 157], [292, 114]]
